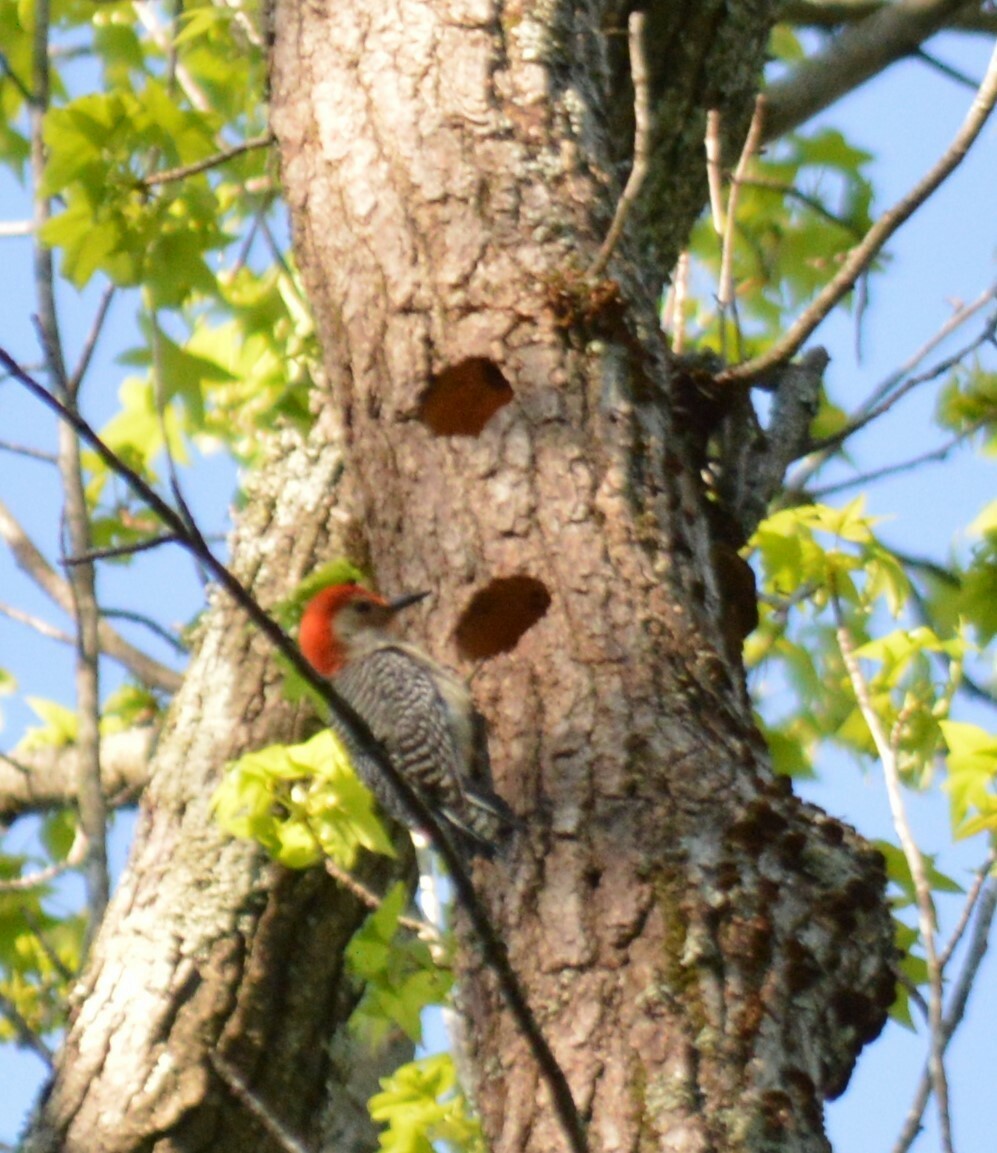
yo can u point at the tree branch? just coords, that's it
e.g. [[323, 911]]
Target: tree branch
[[36, 780], [167, 175], [76, 856], [31, 561], [935, 456], [886, 750], [82, 579], [863, 254], [855, 55], [883, 395], [422, 929], [268, 1120], [979, 942], [725, 293], [640, 76], [25, 1034], [833, 13]]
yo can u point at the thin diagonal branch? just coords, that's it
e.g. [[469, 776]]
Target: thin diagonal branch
[[640, 75], [887, 392], [25, 1034], [31, 561], [120, 550], [76, 856], [886, 750], [969, 905], [422, 929], [935, 456], [155, 627], [42, 627], [264, 1115], [169, 175], [979, 942], [90, 344], [725, 290], [860, 257], [27, 451]]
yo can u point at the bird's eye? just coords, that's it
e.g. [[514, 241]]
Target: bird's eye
[[362, 606]]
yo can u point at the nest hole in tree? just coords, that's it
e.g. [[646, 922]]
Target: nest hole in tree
[[499, 614], [464, 397]]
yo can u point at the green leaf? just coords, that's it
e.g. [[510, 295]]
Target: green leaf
[[400, 976], [972, 777], [59, 729], [301, 802], [59, 832], [420, 1104]]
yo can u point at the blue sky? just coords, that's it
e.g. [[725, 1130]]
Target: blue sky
[[905, 118]]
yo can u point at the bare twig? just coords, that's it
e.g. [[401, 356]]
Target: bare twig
[[714, 169], [40, 626], [244, 24], [25, 1034], [422, 929], [725, 289], [986, 908], [887, 752], [76, 856], [82, 581], [868, 415], [28, 451], [9, 228], [246, 1097], [863, 254], [90, 344], [640, 76], [958, 318], [872, 407], [29, 558], [168, 175], [155, 627], [673, 321], [149, 17], [947, 70], [979, 941], [967, 909], [935, 456], [120, 550], [359, 741]]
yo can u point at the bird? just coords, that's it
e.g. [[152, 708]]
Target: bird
[[419, 711]]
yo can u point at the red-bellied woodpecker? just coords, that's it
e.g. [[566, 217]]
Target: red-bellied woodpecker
[[419, 711]]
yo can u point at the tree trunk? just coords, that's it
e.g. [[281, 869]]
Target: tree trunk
[[706, 955], [214, 968]]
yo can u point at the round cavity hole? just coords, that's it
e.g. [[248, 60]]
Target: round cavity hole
[[499, 614], [463, 398]]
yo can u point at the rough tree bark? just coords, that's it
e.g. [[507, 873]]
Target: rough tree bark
[[706, 954], [207, 951]]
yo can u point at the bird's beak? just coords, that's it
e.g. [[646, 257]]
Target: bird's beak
[[396, 604]]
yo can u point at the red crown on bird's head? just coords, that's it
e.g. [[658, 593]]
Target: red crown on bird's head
[[337, 616]]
